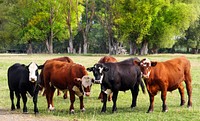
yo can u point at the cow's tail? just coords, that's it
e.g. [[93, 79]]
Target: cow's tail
[[142, 86]]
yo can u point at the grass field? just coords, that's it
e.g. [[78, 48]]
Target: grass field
[[93, 105]]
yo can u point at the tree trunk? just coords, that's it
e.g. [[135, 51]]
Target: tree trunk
[[79, 49], [30, 49], [133, 48], [50, 36], [144, 49], [84, 43], [85, 30], [70, 30]]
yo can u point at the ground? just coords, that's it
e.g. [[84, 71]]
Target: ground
[[7, 115]]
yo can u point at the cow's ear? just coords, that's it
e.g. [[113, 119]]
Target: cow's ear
[[105, 69], [90, 69], [136, 62], [153, 63], [40, 66]]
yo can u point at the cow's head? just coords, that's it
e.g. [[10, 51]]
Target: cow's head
[[98, 72], [86, 84], [33, 71], [145, 66]]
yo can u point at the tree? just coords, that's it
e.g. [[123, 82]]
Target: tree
[[86, 22], [155, 23]]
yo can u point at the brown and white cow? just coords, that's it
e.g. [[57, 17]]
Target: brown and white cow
[[66, 76], [106, 59], [63, 59], [166, 76]]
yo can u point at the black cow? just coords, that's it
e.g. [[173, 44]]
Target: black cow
[[119, 76], [23, 79]]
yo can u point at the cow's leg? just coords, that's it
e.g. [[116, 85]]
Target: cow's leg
[[163, 97], [72, 100], [188, 82], [181, 91], [110, 97], [12, 100], [104, 102], [51, 93], [24, 98], [18, 99], [151, 106], [35, 97], [114, 98], [58, 92], [134, 93], [81, 104], [65, 95]]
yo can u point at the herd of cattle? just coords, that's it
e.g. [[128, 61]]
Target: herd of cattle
[[113, 76]]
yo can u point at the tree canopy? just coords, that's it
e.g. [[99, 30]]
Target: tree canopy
[[99, 26]]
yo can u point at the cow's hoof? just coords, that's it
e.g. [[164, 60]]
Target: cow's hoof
[[103, 111], [182, 103], [72, 111], [165, 110], [51, 108], [83, 110], [12, 109], [36, 111], [149, 111], [114, 110], [25, 112]]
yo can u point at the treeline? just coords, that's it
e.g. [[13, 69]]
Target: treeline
[[100, 26]]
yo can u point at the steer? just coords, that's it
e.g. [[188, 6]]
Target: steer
[[66, 76], [115, 77], [63, 59], [166, 76], [106, 59], [23, 79]]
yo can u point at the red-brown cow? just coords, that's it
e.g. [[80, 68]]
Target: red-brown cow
[[106, 59], [66, 76], [166, 76], [63, 59]]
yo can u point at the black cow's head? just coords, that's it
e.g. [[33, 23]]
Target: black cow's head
[[145, 66], [98, 72], [33, 71]]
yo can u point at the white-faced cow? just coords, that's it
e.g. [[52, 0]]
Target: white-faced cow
[[66, 76], [23, 79], [115, 77], [166, 76]]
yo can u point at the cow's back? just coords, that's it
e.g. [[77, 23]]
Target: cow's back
[[173, 72], [62, 74], [17, 74], [123, 75], [106, 59]]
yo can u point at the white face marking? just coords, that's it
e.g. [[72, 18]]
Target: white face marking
[[146, 75], [86, 81], [100, 80], [32, 69], [100, 70], [146, 61]]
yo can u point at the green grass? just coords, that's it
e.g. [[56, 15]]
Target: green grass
[[93, 106]]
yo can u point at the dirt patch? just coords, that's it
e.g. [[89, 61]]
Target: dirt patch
[[7, 115]]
